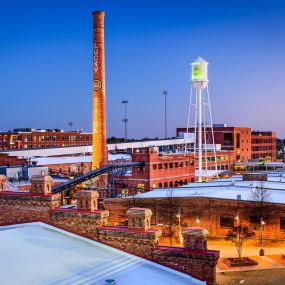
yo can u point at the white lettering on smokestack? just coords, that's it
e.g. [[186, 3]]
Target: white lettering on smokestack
[[96, 59]]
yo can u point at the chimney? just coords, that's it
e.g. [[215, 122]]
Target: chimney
[[99, 102]]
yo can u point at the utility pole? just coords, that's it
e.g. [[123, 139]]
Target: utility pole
[[125, 120], [165, 113]]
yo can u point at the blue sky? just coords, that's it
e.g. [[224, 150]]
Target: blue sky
[[46, 62]]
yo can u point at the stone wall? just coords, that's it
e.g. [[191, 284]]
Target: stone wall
[[200, 264], [26, 207], [79, 221], [139, 242]]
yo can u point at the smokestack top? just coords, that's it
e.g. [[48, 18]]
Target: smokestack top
[[97, 13], [98, 19]]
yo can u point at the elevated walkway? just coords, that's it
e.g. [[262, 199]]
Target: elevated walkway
[[91, 174]]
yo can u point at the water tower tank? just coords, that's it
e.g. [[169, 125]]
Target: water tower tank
[[199, 73]]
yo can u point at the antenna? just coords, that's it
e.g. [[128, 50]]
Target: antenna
[[125, 120]]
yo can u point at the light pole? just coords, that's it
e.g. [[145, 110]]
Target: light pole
[[165, 113], [197, 221], [262, 224], [179, 228], [125, 120]]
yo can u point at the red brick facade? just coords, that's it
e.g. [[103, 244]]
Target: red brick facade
[[42, 139], [160, 170], [235, 139], [263, 145], [215, 215], [245, 143]]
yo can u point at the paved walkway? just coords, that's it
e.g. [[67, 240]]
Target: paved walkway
[[272, 259]]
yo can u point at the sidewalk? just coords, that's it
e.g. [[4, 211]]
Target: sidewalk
[[264, 262]]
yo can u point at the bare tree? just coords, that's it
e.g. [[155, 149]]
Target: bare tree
[[172, 211], [261, 196], [237, 235]]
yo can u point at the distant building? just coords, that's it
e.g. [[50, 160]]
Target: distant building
[[37, 138], [23, 172], [246, 144], [263, 145], [167, 170], [235, 139]]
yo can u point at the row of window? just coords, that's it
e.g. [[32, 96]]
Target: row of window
[[212, 158], [176, 164], [261, 148], [229, 221], [219, 167], [261, 141], [170, 184], [27, 138]]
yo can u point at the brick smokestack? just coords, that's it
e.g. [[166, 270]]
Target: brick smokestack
[[99, 102]]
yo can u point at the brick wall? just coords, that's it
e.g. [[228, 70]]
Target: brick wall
[[200, 264], [79, 221], [139, 242], [208, 210], [26, 207], [11, 160]]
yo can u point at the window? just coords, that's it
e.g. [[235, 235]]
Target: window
[[160, 185], [228, 139], [165, 184], [175, 164], [154, 166], [165, 165], [170, 165], [226, 222], [282, 224], [159, 166]]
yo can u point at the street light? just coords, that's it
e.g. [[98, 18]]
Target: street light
[[197, 221], [179, 228], [125, 120], [262, 224], [237, 219], [165, 114]]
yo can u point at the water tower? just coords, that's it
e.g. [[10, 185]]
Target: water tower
[[200, 118]]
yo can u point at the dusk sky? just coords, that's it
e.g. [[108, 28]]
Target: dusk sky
[[46, 62]]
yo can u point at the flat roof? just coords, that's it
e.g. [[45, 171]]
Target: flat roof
[[37, 253], [226, 188], [76, 159]]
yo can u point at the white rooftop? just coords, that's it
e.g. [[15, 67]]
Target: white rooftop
[[227, 188], [38, 254], [75, 159]]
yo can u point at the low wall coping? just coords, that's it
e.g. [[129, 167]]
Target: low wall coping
[[186, 250], [126, 229]]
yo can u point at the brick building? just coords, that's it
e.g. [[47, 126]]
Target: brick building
[[160, 170], [245, 143], [39, 204], [31, 138], [263, 145], [164, 170]]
